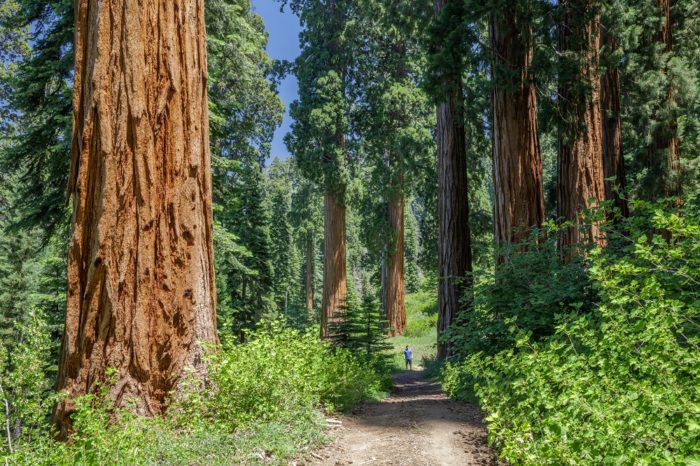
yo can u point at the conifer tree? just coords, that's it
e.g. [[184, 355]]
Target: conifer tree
[[284, 251], [454, 239], [580, 179], [140, 184], [610, 101], [307, 217], [39, 95], [395, 124], [319, 132], [517, 161]]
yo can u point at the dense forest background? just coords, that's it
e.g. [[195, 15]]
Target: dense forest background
[[578, 191]]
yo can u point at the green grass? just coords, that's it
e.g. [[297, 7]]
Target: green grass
[[421, 322]]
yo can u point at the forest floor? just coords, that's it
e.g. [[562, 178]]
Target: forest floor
[[417, 425]]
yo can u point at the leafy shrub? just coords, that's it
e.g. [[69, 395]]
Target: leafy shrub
[[617, 384], [284, 372], [260, 405], [26, 396], [532, 285]]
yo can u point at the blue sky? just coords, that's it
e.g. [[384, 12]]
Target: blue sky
[[283, 29]]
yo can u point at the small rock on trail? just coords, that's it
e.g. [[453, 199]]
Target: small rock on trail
[[416, 426]]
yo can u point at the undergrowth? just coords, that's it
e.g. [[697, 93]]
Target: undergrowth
[[263, 403], [608, 376]]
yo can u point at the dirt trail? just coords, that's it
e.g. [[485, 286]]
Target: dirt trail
[[418, 425]]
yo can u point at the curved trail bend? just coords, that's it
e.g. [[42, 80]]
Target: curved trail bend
[[416, 426]]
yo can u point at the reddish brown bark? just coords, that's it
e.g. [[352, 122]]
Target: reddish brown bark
[[141, 293], [580, 152], [665, 140], [454, 242], [310, 276], [517, 163], [394, 293], [613, 160], [334, 272]]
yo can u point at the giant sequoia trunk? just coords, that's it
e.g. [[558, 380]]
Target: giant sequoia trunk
[[394, 293], [517, 163], [141, 294], [613, 161], [454, 244], [580, 152], [310, 276], [334, 272], [666, 145]]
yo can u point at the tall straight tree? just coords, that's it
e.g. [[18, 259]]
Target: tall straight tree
[[396, 124], [454, 240], [613, 160], [580, 182], [141, 293], [665, 149], [306, 216], [318, 138], [517, 162]]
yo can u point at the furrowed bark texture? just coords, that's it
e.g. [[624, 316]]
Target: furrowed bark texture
[[580, 152], [141, 292], [613, 160], [334, 273], [310, 276], [666, 140], [394, 293], [454, 246], [517, 163]]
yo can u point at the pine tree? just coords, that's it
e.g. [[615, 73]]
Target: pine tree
[[253, 296], [284, 249], [39, 95], [244, 111]]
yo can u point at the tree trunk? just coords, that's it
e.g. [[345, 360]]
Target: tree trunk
[[454, 245], [141, 293], [394, 293], [334, 272], [517, 163], [613, 160], [580, 153], [665, 139], [310, 276]]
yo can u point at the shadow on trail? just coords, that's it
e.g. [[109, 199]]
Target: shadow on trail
[[416, 400], [416, 426]]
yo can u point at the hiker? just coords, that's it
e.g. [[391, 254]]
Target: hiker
[[408, 356]]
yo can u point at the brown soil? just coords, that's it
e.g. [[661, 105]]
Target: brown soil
[[417, 425]]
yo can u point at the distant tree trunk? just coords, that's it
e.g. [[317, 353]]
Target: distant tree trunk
[[310, 276], [394, 293], [580, 152], [141, 292], [517, 163], [454, 246], [334, 272], [613, 161], [665, 139]]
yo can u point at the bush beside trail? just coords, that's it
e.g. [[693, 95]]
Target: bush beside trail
[[264, 402], [615, 379]]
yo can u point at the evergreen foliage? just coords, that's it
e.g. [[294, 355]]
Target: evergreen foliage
[[361, 328], [591, 361]]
